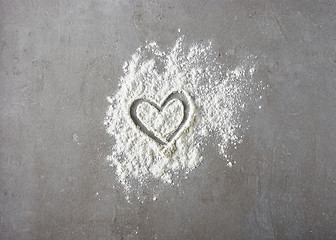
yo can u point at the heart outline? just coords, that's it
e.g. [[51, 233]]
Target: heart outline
[[180, 95]]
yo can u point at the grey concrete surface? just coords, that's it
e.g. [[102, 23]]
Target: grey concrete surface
[[59, 61]]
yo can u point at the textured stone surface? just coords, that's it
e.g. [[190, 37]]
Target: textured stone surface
[[59, 61]]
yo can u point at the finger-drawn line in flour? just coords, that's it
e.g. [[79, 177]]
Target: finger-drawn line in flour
[[188, 109]]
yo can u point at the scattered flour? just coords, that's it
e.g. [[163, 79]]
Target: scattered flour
[[215, 101]]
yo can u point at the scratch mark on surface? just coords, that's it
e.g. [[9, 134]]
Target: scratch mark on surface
[[277, 21], [281, 29]]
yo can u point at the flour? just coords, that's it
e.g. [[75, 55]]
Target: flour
[[165, 123], [214, 98]]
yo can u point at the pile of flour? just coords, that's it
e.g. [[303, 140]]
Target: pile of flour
[[215, 97]]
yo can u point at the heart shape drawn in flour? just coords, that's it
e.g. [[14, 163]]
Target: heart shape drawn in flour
[[174, 98]]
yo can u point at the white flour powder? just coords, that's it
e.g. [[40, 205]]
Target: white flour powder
[[162, 123], [214, 101]]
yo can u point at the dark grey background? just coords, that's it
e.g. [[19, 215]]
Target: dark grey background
[[59, 61]]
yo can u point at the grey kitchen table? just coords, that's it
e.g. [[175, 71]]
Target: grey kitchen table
[[61, 58]]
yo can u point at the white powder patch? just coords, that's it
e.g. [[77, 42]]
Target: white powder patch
[[161, 123], [215, 97]]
